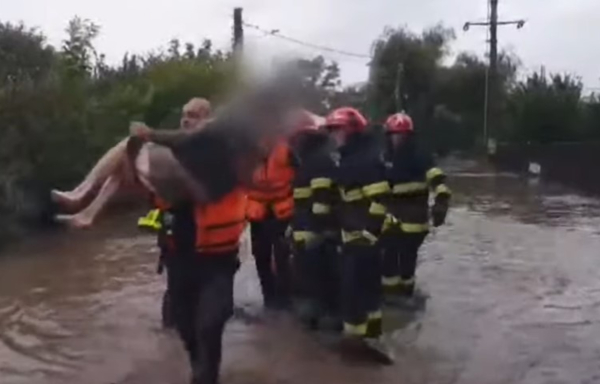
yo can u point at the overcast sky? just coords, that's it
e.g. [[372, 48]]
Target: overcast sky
[[560, 34]]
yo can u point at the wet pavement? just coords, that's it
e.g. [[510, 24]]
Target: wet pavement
[[513, 285]]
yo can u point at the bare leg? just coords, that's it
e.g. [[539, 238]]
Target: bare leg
[[86, 217], [107, 166]]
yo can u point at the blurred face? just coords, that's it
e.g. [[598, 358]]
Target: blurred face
[[338, 135], [192, 117], [396, 139]]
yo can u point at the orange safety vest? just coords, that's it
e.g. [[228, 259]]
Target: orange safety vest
[[217, 227], [220, 225], [272, 187]]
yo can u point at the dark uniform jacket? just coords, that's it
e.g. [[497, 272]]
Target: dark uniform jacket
[[412, 175], [362, 184], [315, 193]]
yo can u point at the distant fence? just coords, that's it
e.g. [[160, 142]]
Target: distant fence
[[573, 164]]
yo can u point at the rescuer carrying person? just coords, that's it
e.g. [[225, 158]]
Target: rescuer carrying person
[[158, 219], [206, 240]]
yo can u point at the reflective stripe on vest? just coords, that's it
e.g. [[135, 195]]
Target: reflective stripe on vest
[[442, 189], [352, 236], [302, 193], [352, 195], [433, 173], [414, 227], [355, 329], [151, 220], [375, 315], [321, 209], [304, 236], [375, 189], [392, 222], [321, 183], [408, 188], [377, 209]]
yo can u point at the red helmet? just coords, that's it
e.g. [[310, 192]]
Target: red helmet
[[348, 119], [399, 123]]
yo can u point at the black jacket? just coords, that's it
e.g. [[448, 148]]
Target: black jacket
[[413, 174], [362, 183], [315, 194]]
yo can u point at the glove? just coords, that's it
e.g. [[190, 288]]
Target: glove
[[438, 214]]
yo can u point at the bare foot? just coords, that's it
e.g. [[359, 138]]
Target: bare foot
[[60, 196], [74, 221], [66, 200]]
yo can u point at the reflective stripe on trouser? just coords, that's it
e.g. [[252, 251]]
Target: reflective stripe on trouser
[[393, 223], [361, 290], [151, 220], [400, 259]]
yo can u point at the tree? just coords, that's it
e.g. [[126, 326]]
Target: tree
[[78, 50], [320, 82], [404, 69], [24, 55], [546, 109], [460, 91]]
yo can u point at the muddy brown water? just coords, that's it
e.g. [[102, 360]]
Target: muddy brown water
[[513, 285]]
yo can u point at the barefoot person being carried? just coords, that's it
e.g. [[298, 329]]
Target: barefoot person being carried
[[203, 164], [115, 170]]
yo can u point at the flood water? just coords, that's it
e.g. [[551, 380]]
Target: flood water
[[514, 297]]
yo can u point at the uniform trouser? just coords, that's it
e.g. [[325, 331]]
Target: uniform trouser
[[269, 244], [318, 276], [400, 254], [202, 301], [361, 290]]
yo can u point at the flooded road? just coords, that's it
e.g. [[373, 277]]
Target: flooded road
[[513, 281]]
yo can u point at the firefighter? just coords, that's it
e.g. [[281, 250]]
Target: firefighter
[[206, 239], [270, 208], [314, 235], [158, 219], [412, 175], [360, 177]]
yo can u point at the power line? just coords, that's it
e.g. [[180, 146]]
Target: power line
[[276, 33]]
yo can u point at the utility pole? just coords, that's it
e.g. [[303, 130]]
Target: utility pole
[[238, 31], [491, 96]]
